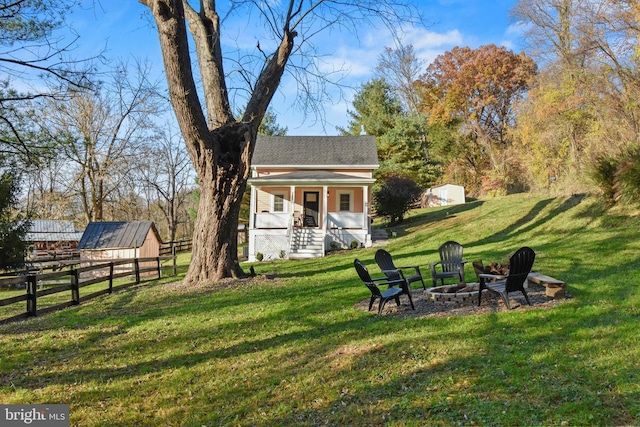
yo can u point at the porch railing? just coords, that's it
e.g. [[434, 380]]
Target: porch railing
[[272, 220], [346, 220], [290, 234]]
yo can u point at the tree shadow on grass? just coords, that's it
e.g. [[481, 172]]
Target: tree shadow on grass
[[529, 222], [432, 215], [519, 369]]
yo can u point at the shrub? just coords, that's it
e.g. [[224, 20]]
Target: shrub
[[618, 177], [355, 244], [259, 256], [394, 199], [627, 178], [602, 173]]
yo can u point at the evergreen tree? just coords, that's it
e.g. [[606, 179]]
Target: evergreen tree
[[402, 139], [270, 126], [13, 225]]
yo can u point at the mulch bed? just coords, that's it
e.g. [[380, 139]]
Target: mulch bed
[[491, 303]]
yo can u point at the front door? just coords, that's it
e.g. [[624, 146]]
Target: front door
[[311, 206]]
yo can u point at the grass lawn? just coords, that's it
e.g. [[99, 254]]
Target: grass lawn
[[289, 348]]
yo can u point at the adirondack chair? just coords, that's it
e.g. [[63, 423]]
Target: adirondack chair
[[395, 287], [451, 263], [520, 264], [385, 262]]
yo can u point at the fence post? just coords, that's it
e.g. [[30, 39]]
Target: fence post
[[75, 287], [32, 290], [175, 261], [136, 265], [111, 277], [159, 268]]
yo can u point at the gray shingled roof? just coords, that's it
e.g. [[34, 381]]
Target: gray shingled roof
[[316, 151], [116, 234]]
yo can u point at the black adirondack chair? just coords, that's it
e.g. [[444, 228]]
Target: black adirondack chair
[[395, 287], [520, 264], [451, 263], [385, 262]]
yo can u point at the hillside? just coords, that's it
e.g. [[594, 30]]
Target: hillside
[[289, 347]]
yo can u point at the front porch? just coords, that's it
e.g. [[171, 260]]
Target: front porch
[[278, 236]]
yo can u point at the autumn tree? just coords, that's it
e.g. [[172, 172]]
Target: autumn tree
[[478, 88], [221, 146], [584, 106]]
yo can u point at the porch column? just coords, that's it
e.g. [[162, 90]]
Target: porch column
[[365, 208], [252, 207], [292, 200], [325, 197]]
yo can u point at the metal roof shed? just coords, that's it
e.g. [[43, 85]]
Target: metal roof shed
[[52, 239], [119, 240]]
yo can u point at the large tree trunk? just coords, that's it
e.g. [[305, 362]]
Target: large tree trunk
[[215, 238], [219, 146]]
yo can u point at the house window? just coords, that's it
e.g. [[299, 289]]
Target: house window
[[345, 201], [278, 202]]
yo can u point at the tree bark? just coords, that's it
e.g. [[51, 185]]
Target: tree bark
[[215, 247]]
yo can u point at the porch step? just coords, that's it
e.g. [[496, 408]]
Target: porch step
[[379, 237], [306, 243]]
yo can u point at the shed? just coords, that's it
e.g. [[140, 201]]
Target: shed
[[52, 239], [119, 240], [443, 195]]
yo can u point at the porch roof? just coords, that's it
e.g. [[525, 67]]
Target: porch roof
[[315, 177]]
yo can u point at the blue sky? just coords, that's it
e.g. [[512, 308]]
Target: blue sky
[[122, 28]]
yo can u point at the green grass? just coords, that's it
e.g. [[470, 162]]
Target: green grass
[[289, 348]]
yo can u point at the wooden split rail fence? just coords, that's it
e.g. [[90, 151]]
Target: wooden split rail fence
[[75, 278], [176, 246]]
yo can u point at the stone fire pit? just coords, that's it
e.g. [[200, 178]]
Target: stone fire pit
[[463, 293]]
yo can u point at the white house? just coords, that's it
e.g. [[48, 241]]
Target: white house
[[310, 194]]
